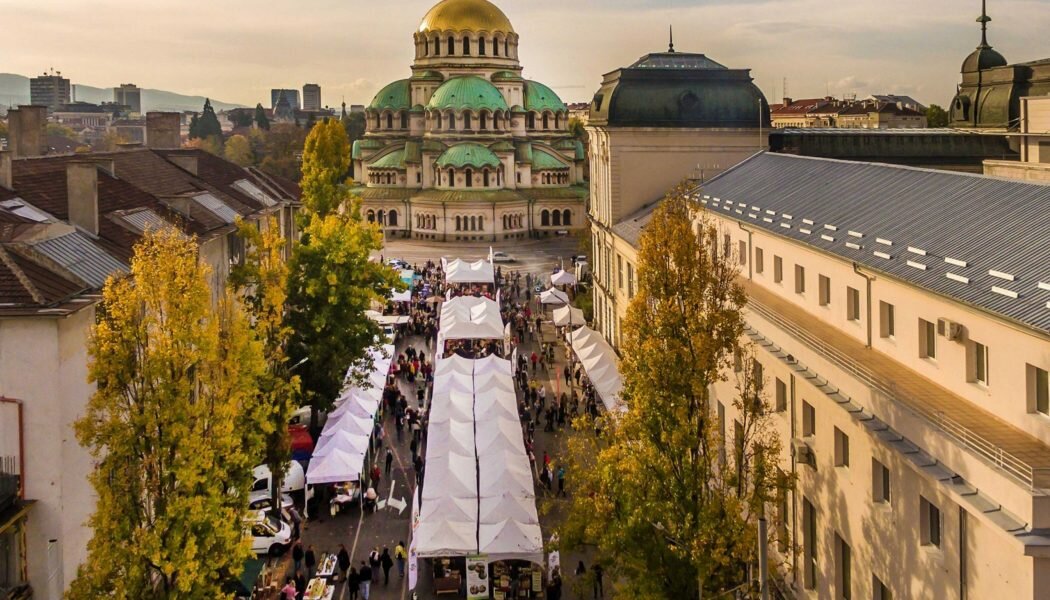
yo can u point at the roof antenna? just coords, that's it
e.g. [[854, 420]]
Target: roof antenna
[[983, 20], [670, 45]]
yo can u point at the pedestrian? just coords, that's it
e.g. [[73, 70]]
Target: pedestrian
[[297, 554], [561, 481], [386, 562], [546, 459], [300, 585], [544, 478], [414, 446], [353, 583], [293, 516], [288, 591], [400, 555], [373, 563], [343, 558], [568, 374], [364, 576], [389, 460], [534, 358], [581, 570], [310, 560], [554, 588], [599, 590], [376, 474]]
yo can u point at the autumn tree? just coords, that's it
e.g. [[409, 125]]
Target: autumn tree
[[172, 430], [326, 163], [238, 150], [261, 281], [282, 150], [670, 512]]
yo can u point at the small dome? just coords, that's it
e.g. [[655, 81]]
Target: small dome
[[468, 155], [428, 76], [466, 15], [471, 92], [539, 98], [984, 57], [396, 96], [505, 76]]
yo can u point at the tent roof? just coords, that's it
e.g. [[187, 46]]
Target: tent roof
[[568, 315], [553, 296], [351, 443], [563, 277], [600, 363], [334, 467], [461, 271], [469, 317], [511, 539]]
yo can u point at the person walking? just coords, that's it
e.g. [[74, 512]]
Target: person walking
[[300, 585], [561, 481], [400, 555], [288, 591], [343, 559], [376, 475], [297, 555], [373, 563], [534, 359], [599, 589], [310, 560], [389, 460], [364, 576], [353, 584], [386, 562]]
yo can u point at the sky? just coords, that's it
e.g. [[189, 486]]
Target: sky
[[236, 50]]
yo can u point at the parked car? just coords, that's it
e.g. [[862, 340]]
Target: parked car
[[294, 478], [579, 259], [301, 416], [397, 263], [270, 535], [260, 500], [502, 257]]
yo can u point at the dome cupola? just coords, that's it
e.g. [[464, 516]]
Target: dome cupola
[[466, 15]]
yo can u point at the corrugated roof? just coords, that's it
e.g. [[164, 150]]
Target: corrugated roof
[[82, 257], [217, 207], [979, 240], [253, 190], [631, 227]]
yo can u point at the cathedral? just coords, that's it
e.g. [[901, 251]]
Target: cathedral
[[467, 149]]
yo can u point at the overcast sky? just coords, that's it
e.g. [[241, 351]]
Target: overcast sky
[[236, 50]]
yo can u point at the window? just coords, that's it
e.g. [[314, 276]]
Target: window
[[886, 326], [880, 482], [800, 279], [467, 121], [809, 419], [619, 272], [929, 523], [738, 360], [557, 218], [485, 178], [879, 591], [782, 396], [841, 448], [759, 266], [742, 252], [469, 174], [756, 374], [778, 269], [451, 46], [927, 339], [722, 432], [545, 218], [391, 218], [977, 360], [824, 290], [389, 121], [404, 120], [1038, 390], [843, 575], [451, 178], [852, 304], [809, 544], [630, 280], [466, 45], [481, 47]]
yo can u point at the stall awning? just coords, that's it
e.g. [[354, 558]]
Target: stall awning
[[601, 365], [568, 316], [461, 271], [563, 277], [554, 297]]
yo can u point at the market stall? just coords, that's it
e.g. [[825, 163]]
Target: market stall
[[462, 272], [468, 318], [554, 297], [563, 277], [568, 316], [600, 364]]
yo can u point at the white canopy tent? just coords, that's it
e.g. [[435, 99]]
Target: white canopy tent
[[600, 364], [461, 271], [469, 318], [568, 316], [405, 296], [563, 277], [554, 296]]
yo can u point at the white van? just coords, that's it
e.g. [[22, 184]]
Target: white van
[[294, 478], [269, 534]]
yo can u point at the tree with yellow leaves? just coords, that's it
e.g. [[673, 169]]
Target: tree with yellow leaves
[[172, 428], [671, 514], [326, 165]]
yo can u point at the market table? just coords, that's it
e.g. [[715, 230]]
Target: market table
[[327, 566], [319, 589]]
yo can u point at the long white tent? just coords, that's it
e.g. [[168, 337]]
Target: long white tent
[[478, 495], [600, 364], [461, 271], [568, 316], [469, 318], [341, 449]]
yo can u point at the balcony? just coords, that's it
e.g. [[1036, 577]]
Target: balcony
[[998, 443]]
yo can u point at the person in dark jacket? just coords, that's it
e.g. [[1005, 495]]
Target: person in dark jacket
[[297, 555], [386, 562], [364, 576], [310, 561], [300, 585], [353, 583], [343, 558]]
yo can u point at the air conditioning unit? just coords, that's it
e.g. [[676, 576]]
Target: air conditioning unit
[[949, 329], [802, 451]]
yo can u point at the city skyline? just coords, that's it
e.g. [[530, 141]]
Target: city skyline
[[236, 54]]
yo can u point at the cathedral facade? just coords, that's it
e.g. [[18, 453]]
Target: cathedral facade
[[466, 149]]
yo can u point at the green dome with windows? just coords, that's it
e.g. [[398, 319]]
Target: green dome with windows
[[393, 160], [460, 93], [396, 96], [468, 155], [539, 98]]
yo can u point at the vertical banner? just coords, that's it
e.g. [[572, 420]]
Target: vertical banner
[[477, 577], [413, 558]]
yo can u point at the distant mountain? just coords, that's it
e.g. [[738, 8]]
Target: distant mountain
[[14, 90]]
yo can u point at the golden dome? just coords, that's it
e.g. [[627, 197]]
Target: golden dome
[[466, 15]]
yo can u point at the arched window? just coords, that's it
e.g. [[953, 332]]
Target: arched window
[[557, 120], [451, 46], [485, 178], [557, 218], [451, 120], [481, 223], [545, 218], [466, 121], [473, 223], [404, 120], [470, 178], [371, 216], [546, 121], [426, 47], [438, 121], [483, 121], [459, 223], [451, 178], [466, 46], [389, 121], [506, 48], [530, 121], [505, 221], [495, 47], [382, 218], [391, 218], [499, 178], [481, 47]]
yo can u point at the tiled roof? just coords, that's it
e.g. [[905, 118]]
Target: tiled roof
[[977, 240], [799, 107]]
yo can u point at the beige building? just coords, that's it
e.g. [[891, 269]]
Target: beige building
[[904, 343], [466, 148], [1034, 134], [829, 112]]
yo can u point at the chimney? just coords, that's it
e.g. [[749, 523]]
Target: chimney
[[82, 194], [787, 101], [186, 161], [27, 131], [163, 130], [7, 175]]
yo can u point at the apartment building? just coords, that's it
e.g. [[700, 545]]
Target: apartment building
[[901, 320], [1034, 130]]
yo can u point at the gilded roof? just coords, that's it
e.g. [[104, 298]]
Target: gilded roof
[[472, 92], [466, 15]]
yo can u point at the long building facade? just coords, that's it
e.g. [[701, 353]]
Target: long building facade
[[466, 148]]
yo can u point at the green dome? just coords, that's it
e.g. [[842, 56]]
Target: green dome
[[428, 76], [365, 144], [539, 98], [468, 155], [541, 161], [396, 96], [393, 160], [472, 92], [505, 76]]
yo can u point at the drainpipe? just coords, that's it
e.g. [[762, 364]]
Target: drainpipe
[[867, 279], [750, 250], [21, 447]]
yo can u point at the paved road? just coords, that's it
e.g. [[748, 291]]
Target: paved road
[[534, 256]]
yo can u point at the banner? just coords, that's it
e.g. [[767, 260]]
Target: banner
[[477, 577], [413, 559]]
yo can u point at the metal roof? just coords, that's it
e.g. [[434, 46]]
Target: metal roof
[[82, 257], [253, 190], [217, 207], [145, 219], [979, 240]]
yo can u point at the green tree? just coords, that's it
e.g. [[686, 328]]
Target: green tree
[[261, 120], [241, 118], [212, 144], [195, 126], [207, 125], [238, 150], [172, 427], [62, 130], [577, 130], [354, 123], [326, 162], [110, 141], [283, 150], [667, 511], [936, 116], [262, 283]]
